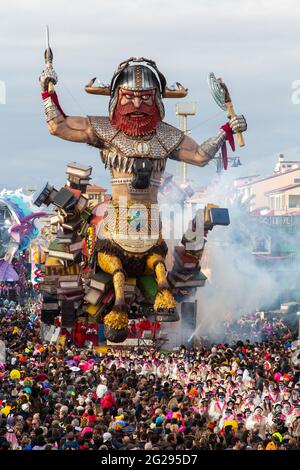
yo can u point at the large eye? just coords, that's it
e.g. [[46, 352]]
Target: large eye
[[145, 97], [129, 97]]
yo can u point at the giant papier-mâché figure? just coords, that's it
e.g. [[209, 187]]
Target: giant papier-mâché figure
[[134, 144]]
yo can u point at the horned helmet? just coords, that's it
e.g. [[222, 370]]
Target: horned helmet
[[137, 74]]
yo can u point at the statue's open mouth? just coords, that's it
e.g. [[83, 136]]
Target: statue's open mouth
[[137, 114]]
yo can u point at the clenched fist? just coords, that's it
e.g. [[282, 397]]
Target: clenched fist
[[48, 75], [238, 124]]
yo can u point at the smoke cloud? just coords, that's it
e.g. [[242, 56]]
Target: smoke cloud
[[237, 283]]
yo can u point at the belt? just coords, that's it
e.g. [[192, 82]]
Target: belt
[[153, 182], [136, 227]]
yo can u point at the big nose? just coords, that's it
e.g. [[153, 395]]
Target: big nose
[[137, 102]]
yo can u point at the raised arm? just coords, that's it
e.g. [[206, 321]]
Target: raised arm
[[73, 128], [191, 152]]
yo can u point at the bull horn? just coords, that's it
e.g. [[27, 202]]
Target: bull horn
[[97, 90], [179, 92]]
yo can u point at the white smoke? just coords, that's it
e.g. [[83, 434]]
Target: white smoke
[[237, 284]]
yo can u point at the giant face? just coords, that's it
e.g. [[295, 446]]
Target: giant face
[[136, 112]]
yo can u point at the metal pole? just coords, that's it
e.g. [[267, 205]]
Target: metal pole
[[183, 111], [219, 164], [184, 165]]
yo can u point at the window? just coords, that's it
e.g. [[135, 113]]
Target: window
[[276, 202], [294, 201]]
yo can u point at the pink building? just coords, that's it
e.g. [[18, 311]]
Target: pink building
[[279, 192]]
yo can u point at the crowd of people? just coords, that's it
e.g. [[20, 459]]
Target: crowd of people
[[17, 291], [257, 326], [243, 395]]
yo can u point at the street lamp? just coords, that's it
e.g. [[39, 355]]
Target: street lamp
[[219, 162], [183, 110], [236, 162]]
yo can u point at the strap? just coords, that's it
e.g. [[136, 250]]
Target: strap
[[229, 136], [54, 98]]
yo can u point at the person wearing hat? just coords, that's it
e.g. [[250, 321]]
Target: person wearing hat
[[240, 418], [276, 419], [108, 440], [249, 400], [277, 407], [108, 402], [286, 411], [258, 421], [271, 445], [277, 438], [273, 391], [217, 406], [228, 415]]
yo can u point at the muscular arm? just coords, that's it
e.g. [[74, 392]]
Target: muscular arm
[[73, 128], [190, 152]]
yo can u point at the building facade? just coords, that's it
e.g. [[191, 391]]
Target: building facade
[[96, 193], [274, 221], [278, 193]]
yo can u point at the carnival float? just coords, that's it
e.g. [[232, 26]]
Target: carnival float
[[18, 231], [108, 262]]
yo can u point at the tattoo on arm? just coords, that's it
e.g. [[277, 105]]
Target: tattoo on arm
[[190, 152]]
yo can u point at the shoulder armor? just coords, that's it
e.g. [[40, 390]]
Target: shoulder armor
[[103, 128], [169, 136]]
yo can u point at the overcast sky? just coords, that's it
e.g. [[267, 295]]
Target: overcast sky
[[253, 44]]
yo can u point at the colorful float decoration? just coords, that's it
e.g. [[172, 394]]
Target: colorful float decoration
[[17, 229], [98, 261]]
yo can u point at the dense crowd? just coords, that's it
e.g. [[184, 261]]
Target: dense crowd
[[243, 395], [257, 327]]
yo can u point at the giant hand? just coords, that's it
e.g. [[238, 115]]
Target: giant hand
[[238, 124], [47, 76]]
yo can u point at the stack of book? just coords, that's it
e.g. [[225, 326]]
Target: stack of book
[[66, 251], [99, 295], [186, 274], [45, 195], [194, 241], [62, 270], [65, 200], [67, 314], [65, 289], [70, 204], [50, 309], [78, 176], [66, 247], [171, 191]]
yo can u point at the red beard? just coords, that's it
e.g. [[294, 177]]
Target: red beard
[[140, 125]]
